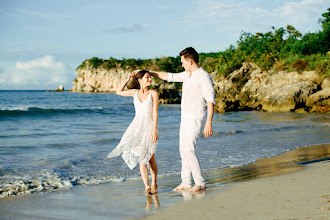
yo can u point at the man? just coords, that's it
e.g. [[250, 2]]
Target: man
[[197, 90]]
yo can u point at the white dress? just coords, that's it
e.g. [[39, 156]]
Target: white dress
[[136, 143]]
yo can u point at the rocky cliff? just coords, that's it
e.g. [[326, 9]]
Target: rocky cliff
[[91, 79], [98, 80], [250, 88]]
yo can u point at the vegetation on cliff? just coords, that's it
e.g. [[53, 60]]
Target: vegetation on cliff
[[279, 49]]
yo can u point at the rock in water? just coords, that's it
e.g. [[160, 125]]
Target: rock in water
[[60, 89]]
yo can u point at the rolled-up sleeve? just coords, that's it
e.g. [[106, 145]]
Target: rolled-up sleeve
[[207, 88], [176, 77]]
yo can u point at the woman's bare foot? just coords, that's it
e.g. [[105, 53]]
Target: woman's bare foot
[[148, 190], [154, 188], [197, 188], [181, 187]]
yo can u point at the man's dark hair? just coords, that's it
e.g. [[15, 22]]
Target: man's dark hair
[[190, 53]]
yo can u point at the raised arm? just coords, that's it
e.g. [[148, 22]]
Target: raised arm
[[159, 74], [120, 91]]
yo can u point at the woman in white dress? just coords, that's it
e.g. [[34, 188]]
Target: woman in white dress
[[139, 143]]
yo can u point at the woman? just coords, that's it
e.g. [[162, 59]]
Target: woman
[[139, 143]]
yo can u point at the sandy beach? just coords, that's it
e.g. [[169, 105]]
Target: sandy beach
[[271, 188], [299, 195]]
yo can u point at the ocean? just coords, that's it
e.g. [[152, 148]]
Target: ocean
[[51, 141]]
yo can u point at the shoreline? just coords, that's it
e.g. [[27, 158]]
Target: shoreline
[[127, 200], [296, 195]]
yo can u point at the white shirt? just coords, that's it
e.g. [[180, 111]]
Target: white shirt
[[197, 89]]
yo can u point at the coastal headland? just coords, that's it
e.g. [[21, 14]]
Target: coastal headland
[[247, 88]]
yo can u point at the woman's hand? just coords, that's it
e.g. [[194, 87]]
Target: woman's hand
[[135, 72], [130, 77], [154, 136]]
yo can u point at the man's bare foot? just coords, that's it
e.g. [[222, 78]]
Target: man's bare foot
[[197, 188], [181, 187]]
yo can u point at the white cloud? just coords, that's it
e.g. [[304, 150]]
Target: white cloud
[[215, 8], [163, 6], [166, 8], [42, 73], [302, 14], [44, 15], [126, 29], [291, 8], [256, 15]]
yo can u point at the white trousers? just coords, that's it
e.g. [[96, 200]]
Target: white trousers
[[190, 129]]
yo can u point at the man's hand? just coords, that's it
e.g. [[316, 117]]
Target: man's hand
[[208, 130]]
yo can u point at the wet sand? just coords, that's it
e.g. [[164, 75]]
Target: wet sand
[[299, 195], [126, 200]]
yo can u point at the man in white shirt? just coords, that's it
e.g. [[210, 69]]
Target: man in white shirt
[[197, 91]]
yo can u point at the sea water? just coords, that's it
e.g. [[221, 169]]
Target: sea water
[[51, 141]]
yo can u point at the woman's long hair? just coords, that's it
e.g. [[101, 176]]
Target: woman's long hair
[[134, 84]]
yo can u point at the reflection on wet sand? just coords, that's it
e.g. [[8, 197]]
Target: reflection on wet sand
[[266, 167], [188, 195], [150, 200]]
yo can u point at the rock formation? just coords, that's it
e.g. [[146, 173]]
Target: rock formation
[[250, 88], [91, 79], [59, 89], [168, 93], [98, 80]]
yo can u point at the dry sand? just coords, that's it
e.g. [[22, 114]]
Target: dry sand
[[299, 195]]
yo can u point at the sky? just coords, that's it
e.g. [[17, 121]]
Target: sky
[[43, 42]]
